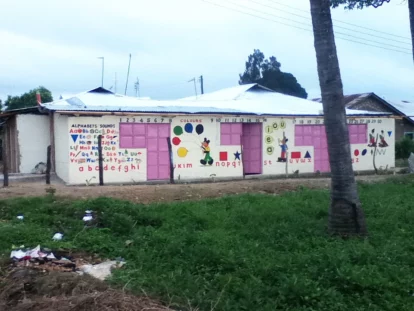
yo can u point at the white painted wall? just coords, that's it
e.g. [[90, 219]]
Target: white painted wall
[[61, 147], [76, 153], [34, 138]]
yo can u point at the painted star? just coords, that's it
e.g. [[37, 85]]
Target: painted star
[[237, 155]]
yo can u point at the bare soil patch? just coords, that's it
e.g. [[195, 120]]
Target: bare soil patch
[[179, 192]]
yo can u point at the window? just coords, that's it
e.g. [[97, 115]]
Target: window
[[409, 135], [132, 135], [230, 134]]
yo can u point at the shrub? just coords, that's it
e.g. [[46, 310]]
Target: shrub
[[404, 147]]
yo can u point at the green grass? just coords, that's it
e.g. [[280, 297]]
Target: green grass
[[249, 252]]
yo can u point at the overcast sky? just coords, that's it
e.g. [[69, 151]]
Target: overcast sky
[[56, 44]]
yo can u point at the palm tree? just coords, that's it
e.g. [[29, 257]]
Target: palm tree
[[346, 216]]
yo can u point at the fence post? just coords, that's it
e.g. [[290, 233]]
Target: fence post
[[5, 159], [171, 160], [101, 179], [48, 164]]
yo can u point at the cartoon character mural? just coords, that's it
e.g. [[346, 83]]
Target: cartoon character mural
[[382, 143], [284, 148], [372, 140], [205, 146]]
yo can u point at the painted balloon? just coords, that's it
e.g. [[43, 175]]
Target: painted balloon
[[182, 152], [188, 128], [364, 152], [356, 152], [178, 130], [176, 141], [199, 129]]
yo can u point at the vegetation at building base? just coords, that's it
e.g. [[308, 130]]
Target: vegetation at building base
[[248, 252], [28, 99], [267, 72], [403, 148]]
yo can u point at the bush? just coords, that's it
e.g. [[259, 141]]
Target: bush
[[404, 147]]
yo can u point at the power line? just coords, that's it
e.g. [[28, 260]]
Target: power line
[[306, 24], [339, 21], [341, 27], [301, 28]]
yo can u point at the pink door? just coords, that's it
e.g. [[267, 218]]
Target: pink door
[[252, 148], [158, 157]]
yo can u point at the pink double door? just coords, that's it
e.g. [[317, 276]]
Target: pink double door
[[152, 137], [252, 148]]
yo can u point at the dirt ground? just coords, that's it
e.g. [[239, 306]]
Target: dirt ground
[[166, 193]]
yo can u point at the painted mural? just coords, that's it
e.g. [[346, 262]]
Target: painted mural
[[136, 149]]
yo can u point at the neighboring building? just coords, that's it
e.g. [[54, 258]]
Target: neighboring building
[[27, 136], [402, 110], [245, 130]]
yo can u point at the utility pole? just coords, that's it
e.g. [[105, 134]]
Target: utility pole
[[195, 85], [136, 86], [103, 69], [129, 66], [202, 84]]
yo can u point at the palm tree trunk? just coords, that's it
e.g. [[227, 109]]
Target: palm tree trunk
[[411, 10], [345, 213]]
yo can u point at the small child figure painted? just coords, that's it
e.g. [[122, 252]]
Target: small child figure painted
[[284, 148], [382, 143], [372, 142], [205, 145]]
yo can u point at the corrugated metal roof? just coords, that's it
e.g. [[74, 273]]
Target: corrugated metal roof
[[243, 99]]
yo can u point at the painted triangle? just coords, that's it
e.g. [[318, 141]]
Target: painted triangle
[[307, 155], [74, 138], [389, 133]]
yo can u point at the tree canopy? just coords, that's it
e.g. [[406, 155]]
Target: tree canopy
[[351, 4], [28, 99], [267, 72]]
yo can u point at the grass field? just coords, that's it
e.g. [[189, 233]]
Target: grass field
[[249, 252]]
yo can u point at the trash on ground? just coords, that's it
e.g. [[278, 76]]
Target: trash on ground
[[57, 237], [45, 260], [103, 270], [20, 217]]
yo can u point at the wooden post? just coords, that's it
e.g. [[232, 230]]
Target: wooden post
[[101, 179], [241, 151], [48, 164], [5, 158], [171, 160], [373, 158]]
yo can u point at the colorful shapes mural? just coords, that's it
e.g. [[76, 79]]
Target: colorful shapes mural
[[74, 137], [182, 152], [223, 156], [382, 143], [389, 133], [237, 155], [364, 152], [199, 129], [307, 155], [178, 130], [269, 139], [295, 155], [205, 146], [176, 141], [188, 128], [270, 150], [356, 152]]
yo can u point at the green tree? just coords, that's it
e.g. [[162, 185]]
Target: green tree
[[360, 4], [267, 72], [28, 99], [345, 213]]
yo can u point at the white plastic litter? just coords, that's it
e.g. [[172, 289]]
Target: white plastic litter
[[102, 270], [51, 256], [88, 216], [57, 237], [34, 253], [19, 254], [20, 217]]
